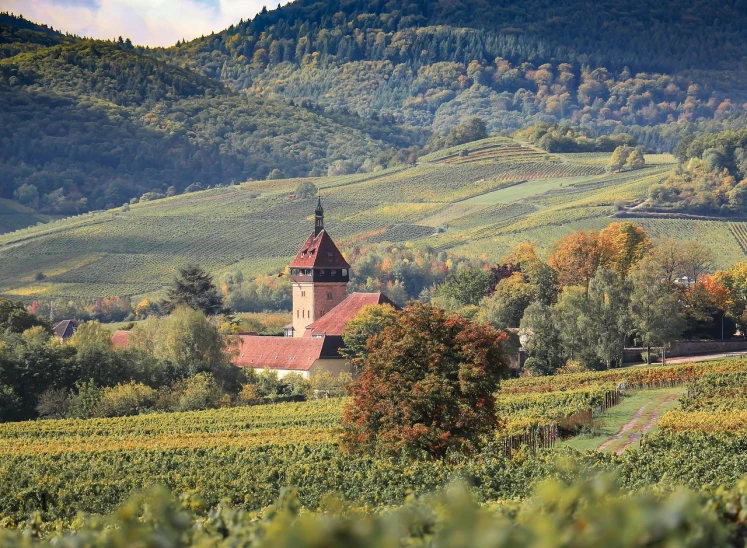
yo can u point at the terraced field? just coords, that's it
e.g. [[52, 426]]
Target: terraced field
[[478, 200]]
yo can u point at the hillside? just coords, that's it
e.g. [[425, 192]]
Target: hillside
[[477, 205], [338, 87], [97, 124], [17, 35], [432, 64]]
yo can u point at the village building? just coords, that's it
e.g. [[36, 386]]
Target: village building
[[321, 309], [65, 329]]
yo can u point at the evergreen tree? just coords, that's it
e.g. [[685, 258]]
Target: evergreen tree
[[194, 287]]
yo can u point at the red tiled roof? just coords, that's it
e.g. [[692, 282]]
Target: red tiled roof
[[320, 252], [121, 339], [334, 321], [296, 354]]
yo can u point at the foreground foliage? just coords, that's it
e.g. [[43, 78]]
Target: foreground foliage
[[587, 513]]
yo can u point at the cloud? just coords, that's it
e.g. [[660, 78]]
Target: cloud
[[145, 22]]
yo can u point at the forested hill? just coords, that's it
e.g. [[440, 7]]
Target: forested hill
[[18, 35], [665, 36], [96, 124], [334, 87], [431, 64]]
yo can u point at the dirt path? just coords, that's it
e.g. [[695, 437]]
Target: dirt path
[[636, 436], [636, 427], [626, 427]]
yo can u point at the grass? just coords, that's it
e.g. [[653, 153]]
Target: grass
[[256, 229], [610, 423], [521, 190]]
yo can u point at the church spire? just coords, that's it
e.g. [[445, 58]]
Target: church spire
[[319, 217]]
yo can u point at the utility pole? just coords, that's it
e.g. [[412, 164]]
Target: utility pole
[[51, 312]]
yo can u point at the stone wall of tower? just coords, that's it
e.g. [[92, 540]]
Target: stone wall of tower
[[311, 300]]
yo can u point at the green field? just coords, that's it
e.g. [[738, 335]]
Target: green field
[[480, 205]]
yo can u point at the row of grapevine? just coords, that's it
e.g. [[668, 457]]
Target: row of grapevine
[[631, 377]]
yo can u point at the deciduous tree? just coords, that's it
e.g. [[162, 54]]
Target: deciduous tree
[[14, 317], [618, 158], [366, 325], [543, 347], [427, 386], [655, 311], [609, 298]]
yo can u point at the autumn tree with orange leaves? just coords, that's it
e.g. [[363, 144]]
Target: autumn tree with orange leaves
[[427, 386], [578, 256]]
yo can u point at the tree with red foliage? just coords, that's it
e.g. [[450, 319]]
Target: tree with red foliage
[[427, 386]]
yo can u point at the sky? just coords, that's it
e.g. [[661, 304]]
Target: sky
[[145, 22]]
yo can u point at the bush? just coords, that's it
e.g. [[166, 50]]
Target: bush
[[151, 196], [249, 395], [124, 400], [268, 384], [84, 403], [306, 189], [197, 393], [53, 404], [295, 385], [194, 187], [325, 385]]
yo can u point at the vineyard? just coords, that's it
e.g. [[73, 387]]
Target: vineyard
[[246, 455], [476, 200]]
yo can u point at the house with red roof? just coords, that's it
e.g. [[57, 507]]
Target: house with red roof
[[121, 339], [321, 310]]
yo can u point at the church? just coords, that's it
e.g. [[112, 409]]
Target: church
[[321, 309]]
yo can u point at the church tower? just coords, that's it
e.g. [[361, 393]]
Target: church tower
[[319, 276]]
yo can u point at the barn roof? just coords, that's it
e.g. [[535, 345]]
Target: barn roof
[[295, 354], [319, 251], [334, 321]]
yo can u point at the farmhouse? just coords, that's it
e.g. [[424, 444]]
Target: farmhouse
[[321, 310], [65, 329]]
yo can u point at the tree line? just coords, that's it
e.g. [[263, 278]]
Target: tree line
[[598, 292]]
